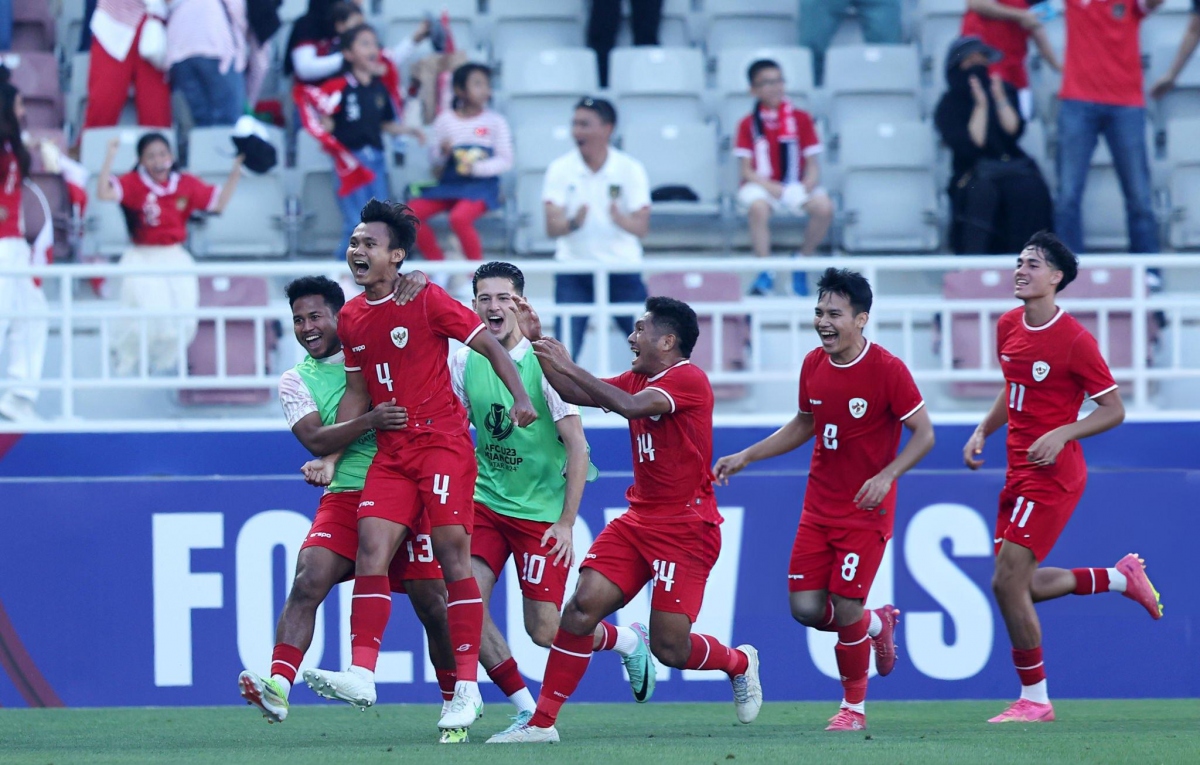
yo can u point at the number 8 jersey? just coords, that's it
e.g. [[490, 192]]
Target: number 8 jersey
[[857, 409]]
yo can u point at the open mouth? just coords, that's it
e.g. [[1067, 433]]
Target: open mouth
[[1021, 281], [495, 323], [636, 352], [312, 341], [360, 266], [828, 336]]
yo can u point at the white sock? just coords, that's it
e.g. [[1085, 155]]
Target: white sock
[[861, 707], [627, 641], [876, 625], [284, 683], [363, 672], [466, 686], [1116, 581], [1036, 692], [523, 701]]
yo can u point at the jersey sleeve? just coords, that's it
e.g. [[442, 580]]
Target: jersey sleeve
[[684, 387], [624, 381], [449, 318], [126, 188], [458, 375], [1088, 368], [904, 398], [810, 142], [558, 408], [803, 405], [743, 145], [352, 363], [200, 195], [295, 398]]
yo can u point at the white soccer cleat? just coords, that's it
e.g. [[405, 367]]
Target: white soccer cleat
[[265, 694], [348, 686], [747, 688], [526, 734], [465, 708]]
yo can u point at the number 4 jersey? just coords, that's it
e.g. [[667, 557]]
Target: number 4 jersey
[[857, 410]]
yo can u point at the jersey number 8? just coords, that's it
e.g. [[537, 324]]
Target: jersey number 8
[[830, 436]]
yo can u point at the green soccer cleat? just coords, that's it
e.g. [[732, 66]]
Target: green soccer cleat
[[640, 666], [265, 694], [455, 736]]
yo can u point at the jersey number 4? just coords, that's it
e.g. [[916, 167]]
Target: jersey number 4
[[384, 372]]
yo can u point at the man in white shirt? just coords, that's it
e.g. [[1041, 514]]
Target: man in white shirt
[[598, 208]]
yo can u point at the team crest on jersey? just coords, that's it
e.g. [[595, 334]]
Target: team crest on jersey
[[858, 407], [400, 336], [1040, 370], [181, 204]]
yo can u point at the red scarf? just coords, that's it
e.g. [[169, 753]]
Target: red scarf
[[789, 143]]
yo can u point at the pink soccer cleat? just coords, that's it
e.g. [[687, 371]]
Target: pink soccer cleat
[[847, 719], [1024, 710], [885, 642], [1137, 584]]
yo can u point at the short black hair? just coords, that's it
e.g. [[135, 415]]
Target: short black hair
[[343, 11], [849, 284], [1057, 254], [458, 80], [327, 288], [498, 269], [399, 218], [761, 65], [350, 35], [677, 318], [603, 109]]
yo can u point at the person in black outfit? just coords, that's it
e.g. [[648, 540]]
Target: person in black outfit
[[605, 20], [997, 193]]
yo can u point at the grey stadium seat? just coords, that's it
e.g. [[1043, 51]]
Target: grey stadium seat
[[742, 23], [322, 228], [1033, 143], [1166, 25], [531, 25], [733, 87], [940, 23], [398, 18], [1103, 206], [680, 155], [1183, 153], [656, 86], [105, 227], [543, 85], [536, 146], [873, 83], [1184, 98]]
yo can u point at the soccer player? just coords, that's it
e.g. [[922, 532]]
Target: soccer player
[[854, 396], [1051, 365], [398, 353], [671, 534], [527, 494], [310, 393]]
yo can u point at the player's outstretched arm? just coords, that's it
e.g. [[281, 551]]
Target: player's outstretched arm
[[996, 418], [919, 444], [522, 411], [648, 403], [1108, 414], [796, 432], [354, 418], [560, 536]]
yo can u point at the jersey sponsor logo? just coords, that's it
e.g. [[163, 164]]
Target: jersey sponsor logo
[[358, 348], [498, 423], [815, 401], [400, 336], [1040, 370], [858, 407], [367, 503], [1003, 357]]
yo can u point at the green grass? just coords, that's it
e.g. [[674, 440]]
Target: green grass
[[917, 733]]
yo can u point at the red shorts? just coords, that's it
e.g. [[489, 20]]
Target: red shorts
[[1033, 515], [433, 476], [675, 556], [336, 529], [497, 536], [840, 560]]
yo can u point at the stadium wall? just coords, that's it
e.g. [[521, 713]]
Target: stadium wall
[[148, 569]]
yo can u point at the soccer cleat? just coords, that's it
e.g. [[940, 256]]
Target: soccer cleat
[[465, 708], [264, 694], [520, 721], [847, 719], [526, 734], [764, 284], [640, 666], [747, 688], [1024, 710], [347, 686], [455, 736], [885, 642], [1137, 585]]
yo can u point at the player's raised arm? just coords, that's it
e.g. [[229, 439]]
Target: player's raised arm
[[531, 327], [646, 403], [791, 436], [996, 418], [490, 348], [919, 444]]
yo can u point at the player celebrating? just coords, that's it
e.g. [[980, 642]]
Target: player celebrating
[[527, 495], [670, 536], [855, 395], [397, 353], [1051, 364]]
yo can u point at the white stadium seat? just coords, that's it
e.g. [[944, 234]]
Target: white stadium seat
[[681, 155], [742, 23], [940, 23], [532, 25], [656, 86], [1183, 154], [321, 231], [873, 83], [536, 146], [543, 85]]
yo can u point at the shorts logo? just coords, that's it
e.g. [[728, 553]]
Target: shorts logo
[[358, 348], [1040, 370], [498, 423], [858, 407], [400, 337], [1004, 357], [463, 648], [322, 534], [368, 503]]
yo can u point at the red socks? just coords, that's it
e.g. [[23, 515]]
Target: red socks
[[1090, 581], [709, 653], [827, 621], [853, 659], [507, 677], [285, 661], [368, 619], [1030, 667], [569, 658], [464, 612], [609, 641], [446, 679]]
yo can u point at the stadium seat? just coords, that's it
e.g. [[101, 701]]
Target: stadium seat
[[542, 86], [54, 189], [889, 201], [398, 18], [1033, 143], [532, 25], [746, 23], [35, 74], [1103, 205], [252, 223], [70, 25], [33, 26], [321, 231], [680, 155], [77, 90], [1165, 26], [872, 84], [733, 87], [240, 341], [940, 23], [656, 86], [1184, 98], [105, 227], [1183, 155], [674, 28], [536, 146]]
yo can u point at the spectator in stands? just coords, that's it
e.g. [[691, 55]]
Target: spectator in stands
[[820, 19], [598, 208], [471, 147], [605, 21], [1007, 26], [315, 49], [157, 201], [1102, 94], [121, 56], [1187, 46], [777, 148], [998, 196], [207, 44], [263, 18], [24, 337]]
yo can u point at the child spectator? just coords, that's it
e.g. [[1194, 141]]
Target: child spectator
[[777, 147], [157, 201], [471, 147], [314, 48]]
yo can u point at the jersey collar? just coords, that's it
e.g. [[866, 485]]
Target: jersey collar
[[862, 355], [1047, 325], [337, 358], [659, 376], [162, 191], [520, 349]]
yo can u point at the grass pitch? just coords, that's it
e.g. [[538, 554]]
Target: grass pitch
[[918, 733]]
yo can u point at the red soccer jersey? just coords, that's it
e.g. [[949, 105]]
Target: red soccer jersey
[[1008, 37], [672, 453], [765, 151], [162, 212], [401, 352], [10, 194], [1049, 371], [1103, 62], [857, 410]]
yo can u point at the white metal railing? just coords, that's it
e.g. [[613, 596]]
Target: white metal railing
[[767, 361]]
